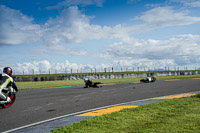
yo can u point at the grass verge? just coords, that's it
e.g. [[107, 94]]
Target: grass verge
[[170, 116], [48, 84]]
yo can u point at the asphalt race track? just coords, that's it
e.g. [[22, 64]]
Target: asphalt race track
[[41, 104]]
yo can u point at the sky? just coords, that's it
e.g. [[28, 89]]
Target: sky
[[58, 36]]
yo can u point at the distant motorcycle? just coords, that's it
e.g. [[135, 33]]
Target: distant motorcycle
[[11, 95], [89, 83], [148, 79]]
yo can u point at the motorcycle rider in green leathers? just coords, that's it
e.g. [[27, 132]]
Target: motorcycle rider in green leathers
[[6, 83]]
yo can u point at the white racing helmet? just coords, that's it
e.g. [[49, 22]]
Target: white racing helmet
[[86, 79]]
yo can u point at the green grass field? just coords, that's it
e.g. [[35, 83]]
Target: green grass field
[[60, 83], [180, 115]]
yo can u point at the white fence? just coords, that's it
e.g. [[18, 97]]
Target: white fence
[[95, 70]]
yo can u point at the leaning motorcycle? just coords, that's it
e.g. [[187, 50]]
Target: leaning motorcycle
[[89, 83], [148, 80], [11, 95]]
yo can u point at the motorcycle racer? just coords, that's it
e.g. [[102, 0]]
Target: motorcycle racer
[[6, 83], [148, 79], [89, 83]]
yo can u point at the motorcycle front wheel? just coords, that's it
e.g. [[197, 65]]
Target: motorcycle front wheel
[[12, 97]]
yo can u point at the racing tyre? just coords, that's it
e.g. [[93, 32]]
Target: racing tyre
[[12, 97]]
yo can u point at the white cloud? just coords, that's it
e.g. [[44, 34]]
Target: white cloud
[[17, 28], [180, 50], [143, 63], [72, 26], [30, 68], [165, 16], [44, 67]]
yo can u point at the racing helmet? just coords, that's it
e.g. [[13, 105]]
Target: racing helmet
[[7, 70], [86, 79]]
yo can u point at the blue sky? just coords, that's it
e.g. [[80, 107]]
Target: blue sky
[[88, 34]]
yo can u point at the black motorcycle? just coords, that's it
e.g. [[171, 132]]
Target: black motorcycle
[[148, 79]]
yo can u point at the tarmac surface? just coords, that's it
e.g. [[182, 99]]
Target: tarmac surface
[[42, 110]]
